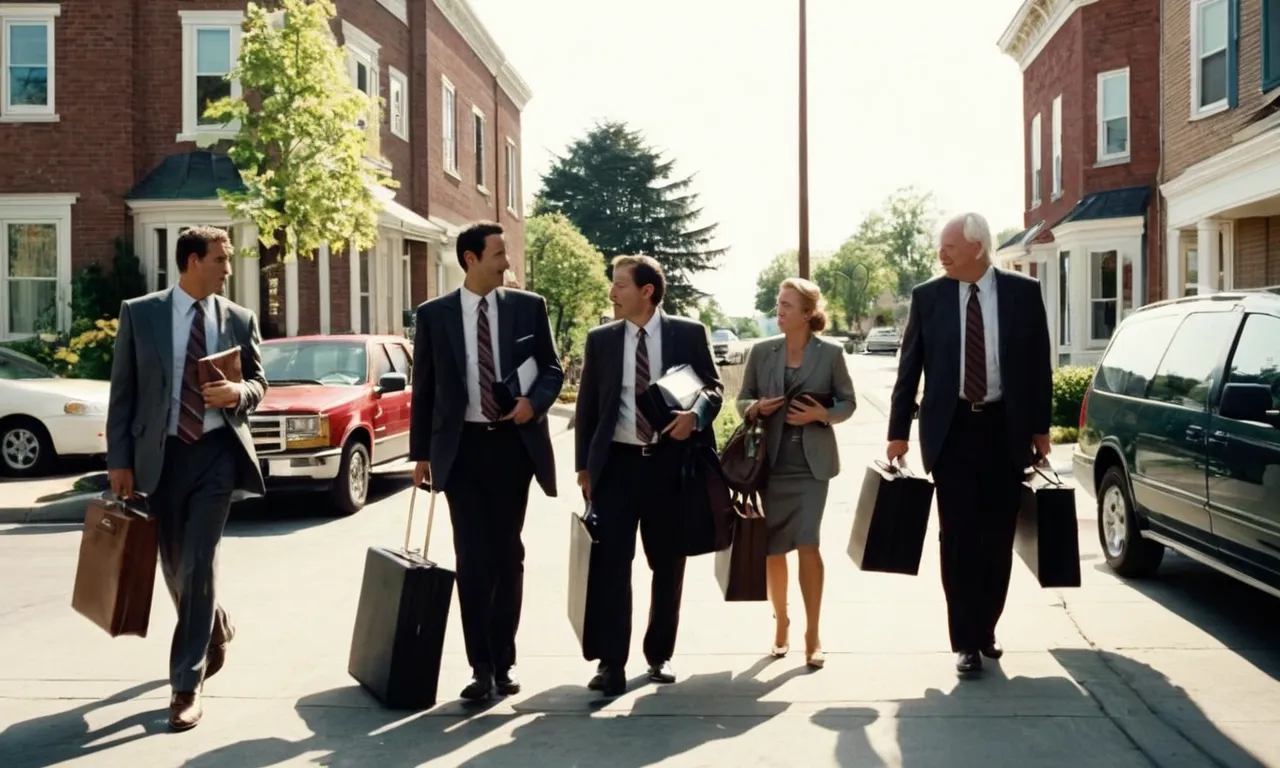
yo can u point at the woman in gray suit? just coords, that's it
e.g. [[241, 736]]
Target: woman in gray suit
[[799, 385]]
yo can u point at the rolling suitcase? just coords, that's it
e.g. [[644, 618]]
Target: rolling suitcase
[[400, 622]]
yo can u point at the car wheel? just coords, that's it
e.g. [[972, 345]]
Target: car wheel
[[351, 486], [26, 449], [1127, 553]]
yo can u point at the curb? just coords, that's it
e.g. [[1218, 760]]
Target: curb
[[65, 510]]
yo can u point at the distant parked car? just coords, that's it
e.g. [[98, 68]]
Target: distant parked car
[[1180, 437], [727, 348], [337, 407], [44, 417], [883, 339]]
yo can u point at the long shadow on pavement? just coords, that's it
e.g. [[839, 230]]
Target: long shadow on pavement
[[660, 725], [1244, 619], [281, 514], [66, 736]]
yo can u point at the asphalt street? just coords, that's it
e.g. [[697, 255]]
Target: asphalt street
[[1179, 670]]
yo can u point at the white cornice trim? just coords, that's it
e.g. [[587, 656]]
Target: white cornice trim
[[464, 19], [39, 199], [398, 8], [1129, 226], [355, 37], [31, 10], [1034, 25], [1243, 174]]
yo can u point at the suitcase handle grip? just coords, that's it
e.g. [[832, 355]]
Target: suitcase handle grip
[[1055, 480], [137, 507], [895, 468], [431, 518]]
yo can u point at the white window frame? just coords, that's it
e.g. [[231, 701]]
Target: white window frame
[[26, 14], [1056, 119], [192, 22], [513, 178], [1036, 167], [1103, 79], [398, 83], [1224, 103], [481, 148], [449, 127], [52, 209]]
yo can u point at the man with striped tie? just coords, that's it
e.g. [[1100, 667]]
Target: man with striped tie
[[980, 337], [629, 469], [187, 447], [482, 457]]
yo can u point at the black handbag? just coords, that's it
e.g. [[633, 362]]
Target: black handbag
[[677, 390], [1047, 536]]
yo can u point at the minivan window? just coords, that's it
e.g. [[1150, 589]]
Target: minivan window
[[1257, 356], [1130, 362], [1185, 375]]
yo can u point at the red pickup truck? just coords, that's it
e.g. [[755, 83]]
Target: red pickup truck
[[337, 407]]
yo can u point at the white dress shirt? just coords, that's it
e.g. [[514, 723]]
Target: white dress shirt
[[988, 300], [625, 431], [184, 312], [470, 313]]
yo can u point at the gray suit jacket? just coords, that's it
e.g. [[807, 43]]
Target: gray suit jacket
[[440, 380], [823, 372], [141, 386]]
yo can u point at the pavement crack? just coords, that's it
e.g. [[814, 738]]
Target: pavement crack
[[1118, 721]]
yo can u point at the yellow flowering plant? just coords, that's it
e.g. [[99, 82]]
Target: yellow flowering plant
[[88, 353]]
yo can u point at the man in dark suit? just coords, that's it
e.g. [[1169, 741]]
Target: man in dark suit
[[980, 337], [185, 446], [630, 470], [481, 457]]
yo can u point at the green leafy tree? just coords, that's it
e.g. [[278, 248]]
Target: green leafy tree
[[853, 278], [302, 140], [568, 272], [784, 265], [619, 193], [745, 327], [903, 229], [711, 314]]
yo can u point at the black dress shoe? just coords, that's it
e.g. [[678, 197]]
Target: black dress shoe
[[993, 651], [662, 673], [610, 681], [508, 683], [967, 662], [482, 688]]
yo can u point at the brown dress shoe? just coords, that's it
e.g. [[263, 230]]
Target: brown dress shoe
[[216, 656], [184, 710]]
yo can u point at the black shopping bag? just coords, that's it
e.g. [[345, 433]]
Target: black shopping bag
[[584, 615], [1047, 536], [891, 520], [706, 506], [741, 567]]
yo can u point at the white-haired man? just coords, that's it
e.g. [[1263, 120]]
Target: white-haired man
[[980, 337]]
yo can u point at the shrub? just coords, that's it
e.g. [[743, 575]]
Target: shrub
[[1069, 386], [1060, 435], [726, 422]]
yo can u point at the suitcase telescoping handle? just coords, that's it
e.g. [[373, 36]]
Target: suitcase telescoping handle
[[431, 518]]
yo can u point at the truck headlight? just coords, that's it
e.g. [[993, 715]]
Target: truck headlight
[[306, 431], [83, 408]]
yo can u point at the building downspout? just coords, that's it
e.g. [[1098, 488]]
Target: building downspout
[[499, 191], [1158, 244]]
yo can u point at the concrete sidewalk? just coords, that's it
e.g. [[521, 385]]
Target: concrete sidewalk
[[1106, 675]]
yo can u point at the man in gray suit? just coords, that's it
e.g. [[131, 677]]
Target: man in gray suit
[[187, 447], [481, 451], [980, 338]]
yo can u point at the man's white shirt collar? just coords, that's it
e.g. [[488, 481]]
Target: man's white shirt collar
[[651, 328]]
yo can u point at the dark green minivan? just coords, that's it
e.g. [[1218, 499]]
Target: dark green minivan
[[1180, 437]]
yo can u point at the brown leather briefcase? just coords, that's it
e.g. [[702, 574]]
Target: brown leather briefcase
[[116, 574], [223, 365]]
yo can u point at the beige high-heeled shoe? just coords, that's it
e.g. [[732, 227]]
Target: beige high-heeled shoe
[[779, 651]]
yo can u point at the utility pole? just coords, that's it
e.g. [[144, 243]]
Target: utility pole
[[804, 143]]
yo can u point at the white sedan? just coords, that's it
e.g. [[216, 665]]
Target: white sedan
[[883, 339], [43, 416]]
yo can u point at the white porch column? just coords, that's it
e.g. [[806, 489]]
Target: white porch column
[[1207, 253], [171, 262], [322, 264], [353, 259], [291, 297], [1172, 263], [1138, 256], [248, 267]]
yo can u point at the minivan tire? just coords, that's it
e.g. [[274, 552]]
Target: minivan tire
[[351, 486], [1131, 555]]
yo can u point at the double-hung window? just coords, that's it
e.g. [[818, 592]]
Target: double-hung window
[[210, 47], [1113, 116], [27, 62]]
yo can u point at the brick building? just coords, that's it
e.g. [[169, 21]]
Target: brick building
[[1221, 175], [100, 137], [1091, 105]]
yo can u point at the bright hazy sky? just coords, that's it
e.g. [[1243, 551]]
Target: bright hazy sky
[[899, 93]]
